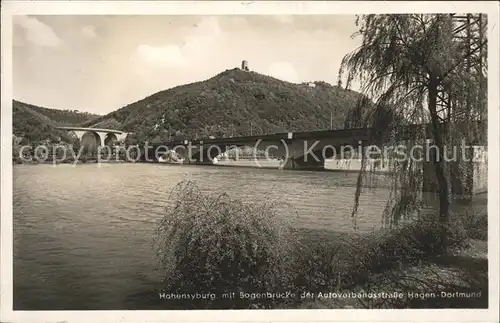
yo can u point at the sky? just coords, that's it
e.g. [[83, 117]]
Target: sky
[[99, 64]]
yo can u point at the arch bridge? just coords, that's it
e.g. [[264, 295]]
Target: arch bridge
[[95, 136]]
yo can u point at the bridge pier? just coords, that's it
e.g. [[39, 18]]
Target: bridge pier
[[465, 179], [301, 164], [204, 155]]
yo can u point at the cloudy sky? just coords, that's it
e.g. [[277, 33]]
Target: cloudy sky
[[101, 63]]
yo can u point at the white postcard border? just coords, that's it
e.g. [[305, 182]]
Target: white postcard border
[[10, 8]]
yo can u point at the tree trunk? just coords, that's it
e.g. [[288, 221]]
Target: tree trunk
[[438, 159]]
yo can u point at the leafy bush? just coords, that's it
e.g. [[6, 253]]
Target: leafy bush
[[213, 244], [475, 223], [352, 260], [408, 244], [318, 266]]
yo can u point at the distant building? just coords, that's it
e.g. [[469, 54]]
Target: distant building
[[244, 65]]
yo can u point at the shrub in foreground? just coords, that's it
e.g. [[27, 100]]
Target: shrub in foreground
[[408, 244], [352, 260], [475, 223], [217, 245]]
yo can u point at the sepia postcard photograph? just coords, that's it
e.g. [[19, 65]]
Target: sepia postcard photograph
[[262, 161]]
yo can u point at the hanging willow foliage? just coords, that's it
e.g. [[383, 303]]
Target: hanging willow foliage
[[408, 66]]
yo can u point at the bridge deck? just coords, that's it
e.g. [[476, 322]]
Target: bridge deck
[[91, 129], [403, 132]]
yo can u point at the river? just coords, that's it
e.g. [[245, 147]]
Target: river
[[82, 234]]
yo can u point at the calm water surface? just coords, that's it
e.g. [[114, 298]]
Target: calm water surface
[[82, 235]]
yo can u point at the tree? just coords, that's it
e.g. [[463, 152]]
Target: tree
[[16, 147], [412, 65], [178, 136]]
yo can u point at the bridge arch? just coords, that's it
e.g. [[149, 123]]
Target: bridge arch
[[90, 140], [75, 136], [110, 139]]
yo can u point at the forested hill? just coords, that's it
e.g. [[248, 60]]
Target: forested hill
[[232, 103], [60, 117], [34, 124]]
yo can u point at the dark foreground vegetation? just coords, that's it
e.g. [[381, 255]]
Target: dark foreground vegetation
[[225, 246]]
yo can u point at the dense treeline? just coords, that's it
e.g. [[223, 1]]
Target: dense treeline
[[33, 127], [33, 124], [60, 117]]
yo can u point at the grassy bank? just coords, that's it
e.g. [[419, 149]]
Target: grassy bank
[[225, 247], [402, 262]]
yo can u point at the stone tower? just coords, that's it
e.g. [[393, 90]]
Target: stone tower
[[244, 65]]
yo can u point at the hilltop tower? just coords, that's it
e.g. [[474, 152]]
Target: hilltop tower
[[244, 65]]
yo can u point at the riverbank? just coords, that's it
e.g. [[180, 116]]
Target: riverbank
[[65, 162], [353, 165], [355, 270], [337, 278], [457, 278], [330, 166]]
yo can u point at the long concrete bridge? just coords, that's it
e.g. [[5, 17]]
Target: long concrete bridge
[[310, 150], [95, 136], [300, 150]]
